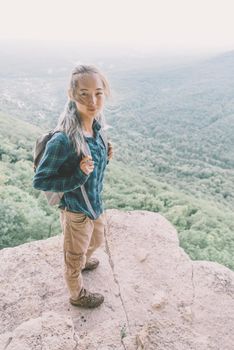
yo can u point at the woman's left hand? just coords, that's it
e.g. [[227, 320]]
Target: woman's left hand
[[110, 150]]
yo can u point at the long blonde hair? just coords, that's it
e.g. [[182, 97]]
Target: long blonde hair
[[70, 120]]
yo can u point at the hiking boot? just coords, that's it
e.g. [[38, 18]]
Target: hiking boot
[[88, 299], [91, 264]]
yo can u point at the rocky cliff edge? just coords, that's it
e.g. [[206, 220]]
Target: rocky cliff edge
[[156, 298]]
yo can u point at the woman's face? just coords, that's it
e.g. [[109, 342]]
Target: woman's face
[[90, 95]]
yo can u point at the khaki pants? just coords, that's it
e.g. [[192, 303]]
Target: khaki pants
[[82, 236]]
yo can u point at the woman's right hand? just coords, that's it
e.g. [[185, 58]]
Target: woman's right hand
[[87, 165]]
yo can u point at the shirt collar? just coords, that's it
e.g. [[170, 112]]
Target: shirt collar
[[96, 125]]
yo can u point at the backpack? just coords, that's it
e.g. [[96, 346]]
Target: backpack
[[54, 198], [40, 147]]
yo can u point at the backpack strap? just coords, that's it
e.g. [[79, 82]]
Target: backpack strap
[[82, 188], [88, 152]]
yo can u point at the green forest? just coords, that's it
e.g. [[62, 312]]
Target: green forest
[[173, 137], [205, 227]]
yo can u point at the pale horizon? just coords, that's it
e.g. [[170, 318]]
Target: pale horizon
[[182, 26]]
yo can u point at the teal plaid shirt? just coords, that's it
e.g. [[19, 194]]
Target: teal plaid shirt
[[59, 171]]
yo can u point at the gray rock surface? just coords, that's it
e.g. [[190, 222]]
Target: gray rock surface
[[156, 298]]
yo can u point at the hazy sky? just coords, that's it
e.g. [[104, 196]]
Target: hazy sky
[[149, 24]]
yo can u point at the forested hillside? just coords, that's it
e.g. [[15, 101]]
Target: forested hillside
[[179, 124], [24, 213], [172, 130]]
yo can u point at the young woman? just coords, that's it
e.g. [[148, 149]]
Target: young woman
[[74, 163]]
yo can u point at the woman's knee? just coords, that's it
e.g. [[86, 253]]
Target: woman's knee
[[74, 263], [98, 236]]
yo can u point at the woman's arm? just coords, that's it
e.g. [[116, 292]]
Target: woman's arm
[[47, 177]]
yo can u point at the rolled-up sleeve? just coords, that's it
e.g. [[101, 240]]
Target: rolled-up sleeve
[[47, 176]]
